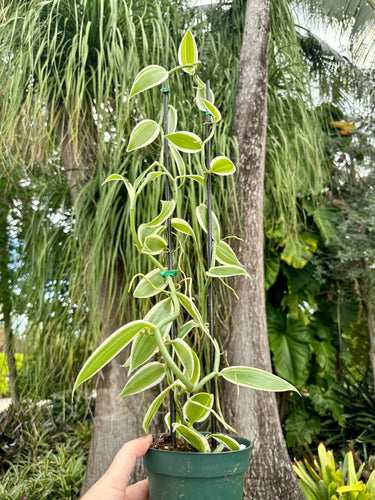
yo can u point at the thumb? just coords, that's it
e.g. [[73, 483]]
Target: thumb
[[124, 462]]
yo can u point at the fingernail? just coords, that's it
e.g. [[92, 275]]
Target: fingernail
[[148, 436]]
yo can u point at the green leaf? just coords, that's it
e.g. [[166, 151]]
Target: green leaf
[[188, 52], [195, 376], [179, 162], [196, 178], [144, 231], [150, 285], [191, 309], [166, 211], [172, 119], [183, 226], [201, 213], [128, 185], [228, 441], [221, 165], [201, 94], [144, 346], [144, 133], [255, 379], [148, 77], [214, 112], [146, 377], [184, 330], [185, 141], [199, 442], [154, 245], [290, 345], [185, 355], [110, 348], [194, 412], [225, 254], [226, 271], [155, 405]]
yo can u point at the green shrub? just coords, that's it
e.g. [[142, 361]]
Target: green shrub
[[324, 481], [44, 448], [4, 382]]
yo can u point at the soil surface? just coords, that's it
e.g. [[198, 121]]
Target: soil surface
[[163, 442]]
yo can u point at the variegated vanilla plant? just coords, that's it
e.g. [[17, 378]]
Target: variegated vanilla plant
[[156, 358]]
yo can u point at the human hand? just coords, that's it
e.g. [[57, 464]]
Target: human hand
[[113, 485]]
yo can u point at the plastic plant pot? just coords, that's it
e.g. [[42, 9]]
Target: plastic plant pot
[[200, 476]]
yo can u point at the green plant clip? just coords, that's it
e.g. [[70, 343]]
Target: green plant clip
[[168, 273], [165, 90]]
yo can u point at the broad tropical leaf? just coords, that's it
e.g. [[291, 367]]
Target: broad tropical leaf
[[150, 285], [225, 254], [188, 52], [146, 377], [110, 348], [154, 245], [187, 142], [147, 78], [228, 441], [214, 112], [193, 437], [183, 226], [226, 271], [166, 211], [195, 412], [221, 165], [172, 119], [255, 379], [143, 134]]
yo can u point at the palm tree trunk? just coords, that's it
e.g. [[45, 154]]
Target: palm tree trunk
[[254, 414]]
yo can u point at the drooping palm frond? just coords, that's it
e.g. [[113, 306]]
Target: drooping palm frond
[[354, 18]]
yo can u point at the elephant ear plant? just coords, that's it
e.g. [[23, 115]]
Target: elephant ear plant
[[157, 356]]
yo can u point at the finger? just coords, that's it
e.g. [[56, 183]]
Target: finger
[[138, 491], [124, 462]]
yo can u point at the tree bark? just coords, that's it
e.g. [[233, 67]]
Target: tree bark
[[116, 421], [254, 413], [367, 295]]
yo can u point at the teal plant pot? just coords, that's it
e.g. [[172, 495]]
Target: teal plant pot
[[200, 476]]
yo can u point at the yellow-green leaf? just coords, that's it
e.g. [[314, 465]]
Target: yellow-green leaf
[[197, 440], [148, 77], [256, 379], [194, 412], [183, 226], [221, 165], [188, 52], [228, 441], [143, 134], [150, 285], [186, 142], [172, 119], [146, 377], [110, 348], [226, 271], [214, 112], [201, 213], [167, 210], [144, 346], [225, 254]]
